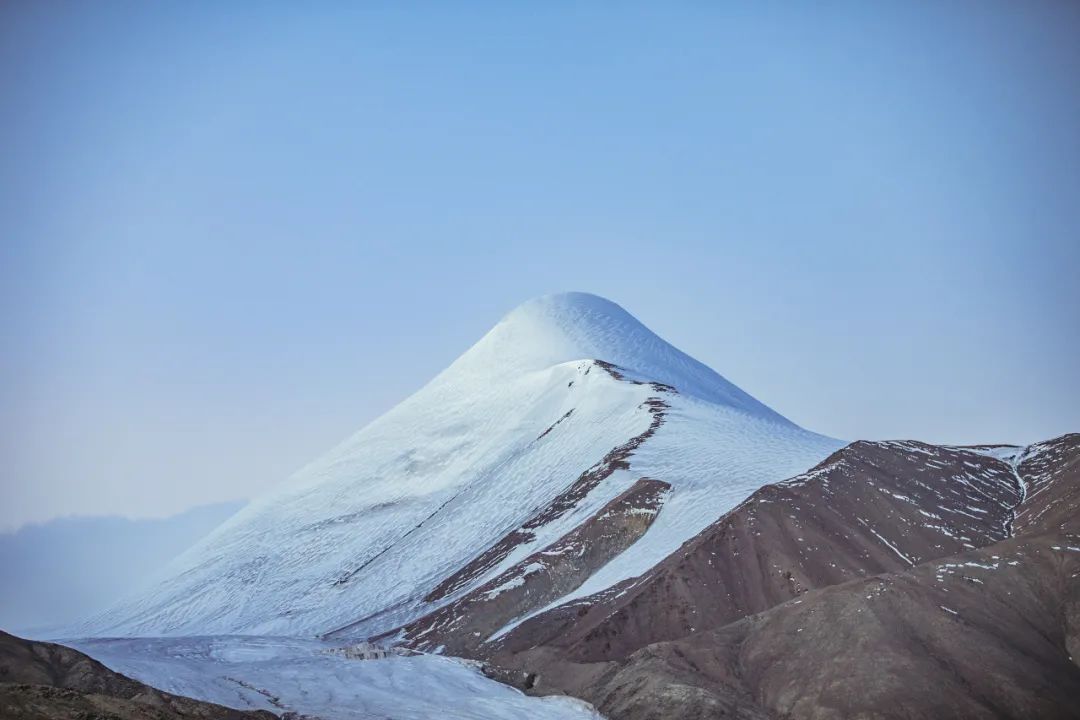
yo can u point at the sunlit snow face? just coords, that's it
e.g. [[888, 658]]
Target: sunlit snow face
[[358, 539]]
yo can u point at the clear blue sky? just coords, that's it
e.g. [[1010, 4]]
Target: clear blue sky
[[233, 233]]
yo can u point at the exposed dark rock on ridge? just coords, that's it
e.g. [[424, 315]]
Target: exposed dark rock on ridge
[[600, 539], [616, 459], [43, 681], [544, 576]]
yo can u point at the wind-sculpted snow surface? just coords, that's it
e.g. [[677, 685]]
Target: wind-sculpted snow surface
[[565, 404]]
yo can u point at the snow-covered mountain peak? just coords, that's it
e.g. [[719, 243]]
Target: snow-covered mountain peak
[[563, 408], [565, 327]]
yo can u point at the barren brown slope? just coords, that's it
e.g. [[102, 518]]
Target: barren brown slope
[[988, 633], [1052, 500], [52, 682], [871, 507]]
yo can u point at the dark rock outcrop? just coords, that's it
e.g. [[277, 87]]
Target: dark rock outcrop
[[616, 459], [544, 576]]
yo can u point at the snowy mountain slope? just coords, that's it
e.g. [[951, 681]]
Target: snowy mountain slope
[[555, 413], [315, 680]]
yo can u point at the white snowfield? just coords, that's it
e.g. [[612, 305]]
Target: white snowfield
[[307, 677], [359, 537]]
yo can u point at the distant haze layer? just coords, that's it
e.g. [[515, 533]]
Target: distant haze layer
[[62, 571]]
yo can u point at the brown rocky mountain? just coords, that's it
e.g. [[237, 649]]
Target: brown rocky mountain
[[43, 681], [867, 509], [893, 580]]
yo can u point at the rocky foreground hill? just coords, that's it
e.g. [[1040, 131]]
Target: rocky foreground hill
[[43, 681]]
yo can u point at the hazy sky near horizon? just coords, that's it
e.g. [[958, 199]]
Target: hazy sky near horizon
[[233, 234]]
